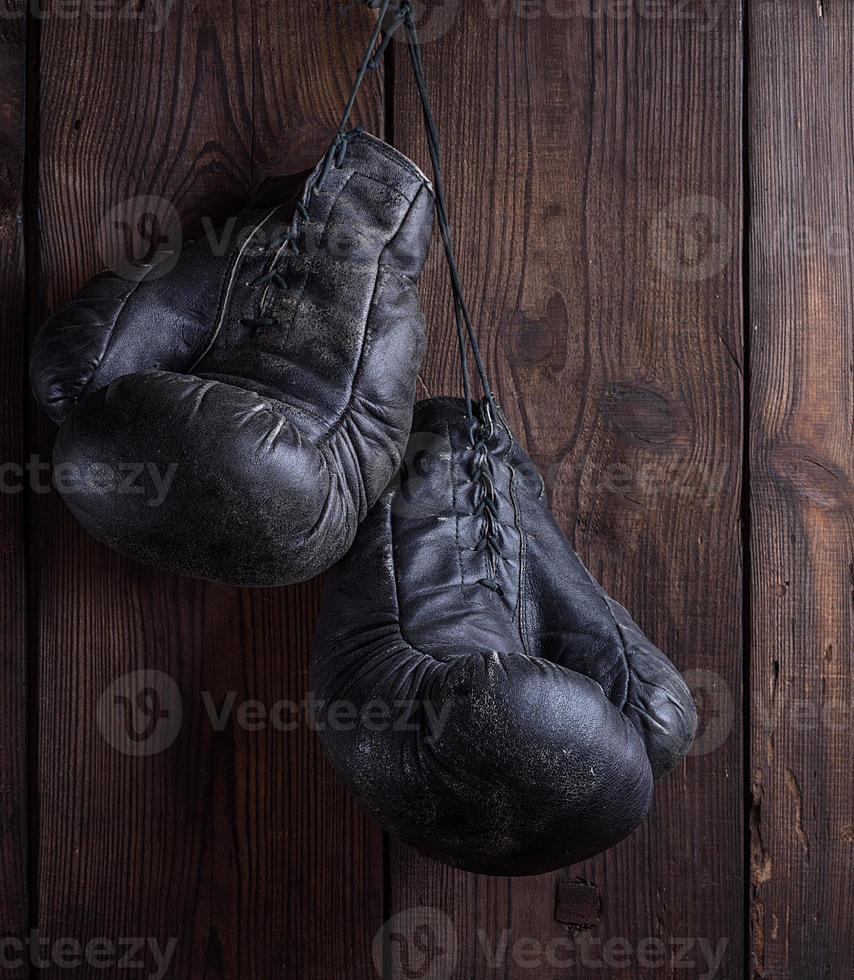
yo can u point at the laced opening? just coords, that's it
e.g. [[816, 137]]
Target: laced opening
[[487, 505], [287, 245]]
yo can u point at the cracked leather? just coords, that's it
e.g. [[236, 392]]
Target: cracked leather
[[278, 436], [526, 714]]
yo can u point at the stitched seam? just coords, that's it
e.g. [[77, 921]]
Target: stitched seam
[[521, 605], [335, 202], [110, 337], [338, 423], [367, 338], [394, 577], [400, 228], [395, 156], [400, 627], [618, 628]]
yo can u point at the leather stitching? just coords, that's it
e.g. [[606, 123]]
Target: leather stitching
[[84, 390], [395, 156], [367, 336], [520, 611]]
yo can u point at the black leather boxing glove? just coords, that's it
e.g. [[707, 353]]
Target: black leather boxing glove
[[269, 389], [510, 717]]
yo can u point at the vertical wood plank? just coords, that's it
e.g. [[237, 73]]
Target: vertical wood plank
[[802, 487], [13, 622], [235, 844], [593, 164]]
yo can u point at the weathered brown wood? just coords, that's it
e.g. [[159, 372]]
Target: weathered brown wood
[[802, 488], [237, 843], [594, 171], [13, 624]]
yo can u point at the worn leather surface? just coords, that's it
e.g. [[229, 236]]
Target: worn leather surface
[[279, 436], [538, 713]]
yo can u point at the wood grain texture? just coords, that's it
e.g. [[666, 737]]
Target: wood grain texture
[[13, 622], [802, 488], [594, 170], [235, 843]]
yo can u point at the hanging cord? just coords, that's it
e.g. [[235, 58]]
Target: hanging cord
[[287, 244], [461, 310], [370, 62]]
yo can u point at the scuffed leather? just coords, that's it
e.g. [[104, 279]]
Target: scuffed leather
[[543, 713], [280, 437]]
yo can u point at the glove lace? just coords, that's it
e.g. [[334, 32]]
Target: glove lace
[[487, 505], [466, 335]]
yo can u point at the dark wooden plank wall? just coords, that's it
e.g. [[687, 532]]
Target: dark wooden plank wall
[[14, 843], [587, 163], [237, 844], [802, 465], [595, 169]]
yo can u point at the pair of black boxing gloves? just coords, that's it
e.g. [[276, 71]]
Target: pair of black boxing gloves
[[510, 717]]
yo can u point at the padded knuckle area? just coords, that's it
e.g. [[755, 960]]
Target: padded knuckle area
[[544, 713], [172, 469], [72, 343], [509, 771], [272, 362]]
